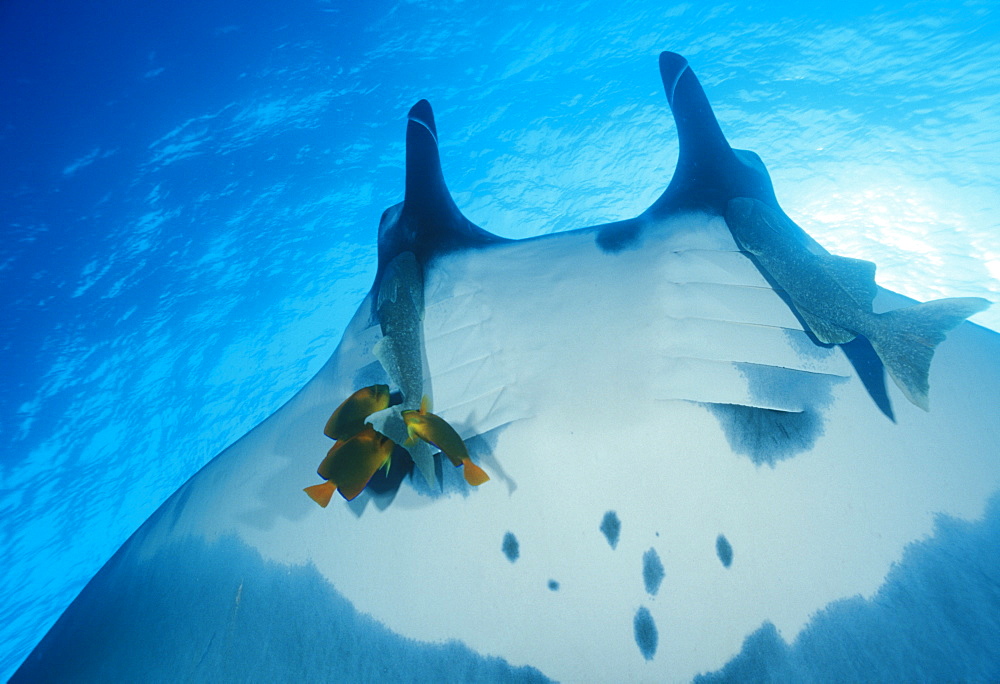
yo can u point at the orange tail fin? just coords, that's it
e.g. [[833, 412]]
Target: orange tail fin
[[321, 493], [474, 475]]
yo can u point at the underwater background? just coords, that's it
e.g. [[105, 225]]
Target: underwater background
[[190, 193]]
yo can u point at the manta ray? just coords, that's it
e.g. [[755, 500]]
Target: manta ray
[[696, 467]]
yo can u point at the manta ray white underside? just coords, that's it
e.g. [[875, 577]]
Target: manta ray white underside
[[646, 368]]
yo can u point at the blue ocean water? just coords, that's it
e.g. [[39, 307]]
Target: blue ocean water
[[190, 194]]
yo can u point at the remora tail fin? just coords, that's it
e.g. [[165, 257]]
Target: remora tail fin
[[907, 338]]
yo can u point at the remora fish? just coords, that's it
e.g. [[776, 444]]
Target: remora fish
[[833, 295]]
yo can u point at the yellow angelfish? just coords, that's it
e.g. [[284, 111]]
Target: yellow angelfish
[[435, 430], [349, 418], [350, 464]]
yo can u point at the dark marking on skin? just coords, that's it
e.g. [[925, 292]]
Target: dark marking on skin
[[274, 636], [611, 526], [652, 571], [934, 619], [724, 550], [768, 384], [511, 548], [553, 585], [767, 435], [764, 435], [804, 343], [619, 236], [646, 635]]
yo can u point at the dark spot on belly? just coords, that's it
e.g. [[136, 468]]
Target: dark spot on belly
[[724, 549], [611, 526], [652, 571], [510, 547], [646, 635]]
